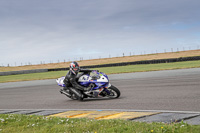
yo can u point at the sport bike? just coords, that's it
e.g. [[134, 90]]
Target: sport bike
[[97, 81]]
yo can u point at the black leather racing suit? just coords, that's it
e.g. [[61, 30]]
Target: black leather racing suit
[[71, 83]]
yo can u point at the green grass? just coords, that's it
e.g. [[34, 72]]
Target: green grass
[[15, 123], [151, 67], [107, 70]]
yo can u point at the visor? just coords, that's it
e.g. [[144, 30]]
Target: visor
[[76, 69]]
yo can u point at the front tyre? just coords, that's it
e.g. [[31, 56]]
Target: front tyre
[[114, 92]]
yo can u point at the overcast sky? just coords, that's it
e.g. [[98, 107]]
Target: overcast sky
[[52, 30]]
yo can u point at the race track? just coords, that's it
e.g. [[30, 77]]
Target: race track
[[171, 90]]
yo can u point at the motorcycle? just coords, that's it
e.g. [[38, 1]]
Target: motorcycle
[[97, 81]]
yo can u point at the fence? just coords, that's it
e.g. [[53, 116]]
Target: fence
[[106, 65], [123, 54]]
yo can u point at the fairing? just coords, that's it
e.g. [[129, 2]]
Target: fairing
[[86, 80]]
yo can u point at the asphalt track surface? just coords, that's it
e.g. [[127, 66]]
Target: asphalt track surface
[[171, 90]]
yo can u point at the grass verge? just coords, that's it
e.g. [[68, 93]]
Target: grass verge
[[15, 123], [107, 70]]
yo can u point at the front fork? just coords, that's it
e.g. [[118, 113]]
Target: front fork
[[106, 89]]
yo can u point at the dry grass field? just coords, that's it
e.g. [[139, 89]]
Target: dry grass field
[[107, 60]]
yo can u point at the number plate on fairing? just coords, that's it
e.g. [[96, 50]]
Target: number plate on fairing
[[84, 78]]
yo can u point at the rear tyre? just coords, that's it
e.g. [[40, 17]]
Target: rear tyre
[[114, 92]]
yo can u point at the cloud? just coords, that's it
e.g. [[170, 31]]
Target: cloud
[[51, 30]]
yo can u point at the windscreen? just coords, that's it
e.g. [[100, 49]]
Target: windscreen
[[94, 75]]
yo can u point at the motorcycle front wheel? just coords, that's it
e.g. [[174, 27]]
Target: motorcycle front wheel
[[114, 92]]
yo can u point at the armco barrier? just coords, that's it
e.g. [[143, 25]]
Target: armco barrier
[[23, 72], [106, 65]]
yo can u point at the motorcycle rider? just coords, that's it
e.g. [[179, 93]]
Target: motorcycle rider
[[71, 83]]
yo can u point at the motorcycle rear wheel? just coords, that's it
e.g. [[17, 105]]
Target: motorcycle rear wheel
[[114, 92]]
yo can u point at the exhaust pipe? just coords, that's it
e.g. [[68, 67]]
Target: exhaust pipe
[[76, 92], [65, 93]]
